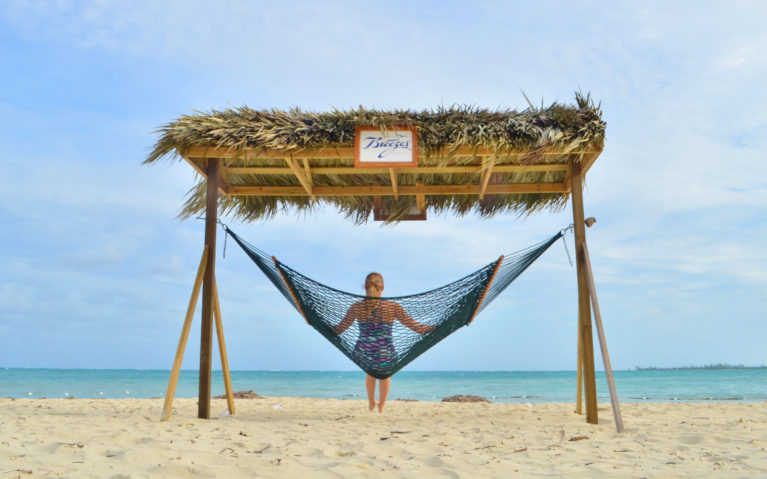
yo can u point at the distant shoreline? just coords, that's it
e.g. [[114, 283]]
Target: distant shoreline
[[709, 366]]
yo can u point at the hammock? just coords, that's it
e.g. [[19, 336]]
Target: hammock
[[375, 341]]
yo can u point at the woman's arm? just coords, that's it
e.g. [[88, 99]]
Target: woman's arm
[[408, 321], [351, 315]]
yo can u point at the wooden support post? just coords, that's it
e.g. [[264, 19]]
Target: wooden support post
[[579, 374], [206, 339], [222, 350], [603, 344], [171, 392], [584, 306]]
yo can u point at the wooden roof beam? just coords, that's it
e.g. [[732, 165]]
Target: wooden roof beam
[[223, 183], [343, 170], [385, 190], [347, 153]]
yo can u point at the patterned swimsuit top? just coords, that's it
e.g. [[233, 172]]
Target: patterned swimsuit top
[[374, 326]]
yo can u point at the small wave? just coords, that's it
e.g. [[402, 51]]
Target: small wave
[[523, 396]]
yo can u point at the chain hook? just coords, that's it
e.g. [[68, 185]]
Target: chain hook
[[564, 243]]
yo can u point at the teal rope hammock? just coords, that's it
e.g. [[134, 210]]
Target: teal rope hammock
[[382, 335]]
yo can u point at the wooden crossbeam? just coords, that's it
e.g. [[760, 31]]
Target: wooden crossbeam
[[346, 153], [589, 158], [199, 165], [468, 189], [343, 170]]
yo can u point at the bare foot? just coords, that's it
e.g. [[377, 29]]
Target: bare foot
[[380, 408], [371, 405]]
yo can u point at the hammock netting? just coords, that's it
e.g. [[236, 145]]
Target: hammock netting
[[388, 333]]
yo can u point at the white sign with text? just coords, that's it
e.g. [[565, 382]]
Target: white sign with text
[[393, 146]]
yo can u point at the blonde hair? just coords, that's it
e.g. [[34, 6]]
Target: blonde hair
[[373, 287]]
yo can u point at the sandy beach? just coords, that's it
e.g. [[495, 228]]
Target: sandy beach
[[298, 437]]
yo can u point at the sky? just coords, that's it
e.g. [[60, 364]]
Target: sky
[[96, 269]]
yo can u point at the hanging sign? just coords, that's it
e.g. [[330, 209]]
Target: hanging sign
[[394, 146], [382, 213]]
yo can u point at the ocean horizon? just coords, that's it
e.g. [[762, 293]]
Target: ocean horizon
[[638, 385]]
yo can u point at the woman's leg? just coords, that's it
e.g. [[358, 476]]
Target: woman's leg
[[370, 386], [383, 392]]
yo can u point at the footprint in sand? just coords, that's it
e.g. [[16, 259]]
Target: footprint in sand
[[691, 439]]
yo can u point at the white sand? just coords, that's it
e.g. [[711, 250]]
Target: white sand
[[296, 437]]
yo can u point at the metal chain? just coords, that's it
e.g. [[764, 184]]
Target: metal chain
[[226, 235], [567, 251]]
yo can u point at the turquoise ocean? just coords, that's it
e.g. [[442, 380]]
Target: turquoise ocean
[[498, 386]]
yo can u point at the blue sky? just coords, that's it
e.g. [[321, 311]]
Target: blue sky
[[96, 271]]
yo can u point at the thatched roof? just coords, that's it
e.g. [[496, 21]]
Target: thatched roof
[[471, 160]]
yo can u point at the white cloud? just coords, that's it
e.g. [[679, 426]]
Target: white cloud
[[679, 192]]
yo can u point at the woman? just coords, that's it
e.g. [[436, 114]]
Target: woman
[[375, 346]]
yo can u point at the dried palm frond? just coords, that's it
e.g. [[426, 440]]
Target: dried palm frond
[[553, 135]]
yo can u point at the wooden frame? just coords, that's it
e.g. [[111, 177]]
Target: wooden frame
[[179, 359], [298, 165], [358, 163], [584, 307], [220, 165]]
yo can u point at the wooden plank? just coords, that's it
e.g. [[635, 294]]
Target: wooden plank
[[195, 163], [420, 170], [590, 157], [300, 175], [603, 344], [487, 169], [222, 180], [487, 288], [345, 153], [292, 293], [223, 186], [206, 343], [171, 392], [468, 189], [393, 176], [420, 198], [222, 350], [308, 172], [584, 306]]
